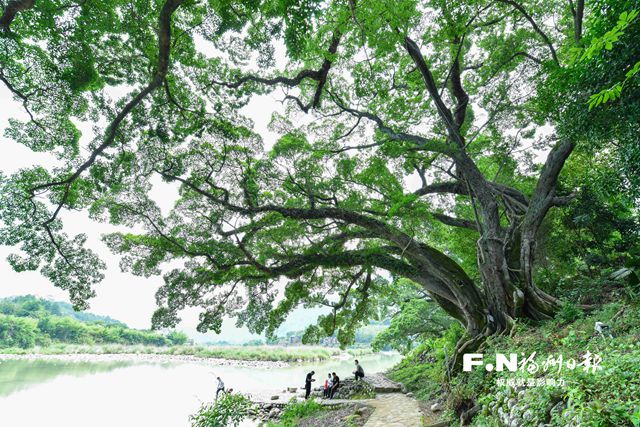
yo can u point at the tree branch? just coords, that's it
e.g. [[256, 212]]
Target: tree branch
[[544, 193], [420, 141], [319, 75], [164, 40], [12, 9], [453, 187], [461, 96], [535, 26], [455, 222], [578, 17]]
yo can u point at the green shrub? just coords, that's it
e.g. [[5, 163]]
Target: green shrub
[[294, 411], [607, 397], [228, 411], [423, 370], [569, 313]]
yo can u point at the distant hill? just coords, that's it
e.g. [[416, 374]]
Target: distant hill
[[28, 321], [31, 306]]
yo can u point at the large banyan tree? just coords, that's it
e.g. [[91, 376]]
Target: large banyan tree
[[409, 136]]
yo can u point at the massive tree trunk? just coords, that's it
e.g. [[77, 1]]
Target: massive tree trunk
[[538, 304], [504, 299], [506, 255], [508, 288]]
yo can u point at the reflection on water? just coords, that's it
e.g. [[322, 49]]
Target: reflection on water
[[19, 374], [54, 393]]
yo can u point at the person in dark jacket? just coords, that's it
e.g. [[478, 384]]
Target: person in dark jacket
[[307, 384], [336, 384], [359, 372]]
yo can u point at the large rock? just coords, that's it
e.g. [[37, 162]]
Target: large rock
[[382, 384], [360, 411], [350, 389]]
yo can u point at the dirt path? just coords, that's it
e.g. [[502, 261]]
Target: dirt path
[[392, 407], [389, 410], [394, 410]]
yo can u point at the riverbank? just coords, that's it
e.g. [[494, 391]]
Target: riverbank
[[147, 393], [269, 356], [143, 358]]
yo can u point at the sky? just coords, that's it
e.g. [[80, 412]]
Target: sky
[[123, 296]]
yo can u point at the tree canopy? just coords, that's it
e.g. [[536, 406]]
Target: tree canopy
[[423, 140]]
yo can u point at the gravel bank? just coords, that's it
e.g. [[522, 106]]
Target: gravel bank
[[144, 358]]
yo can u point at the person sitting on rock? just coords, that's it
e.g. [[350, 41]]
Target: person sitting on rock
[[307, 384], [336, 384], [359, 372], [328, 383]]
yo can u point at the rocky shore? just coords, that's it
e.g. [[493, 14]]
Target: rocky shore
[[269, 408], [144, 358], [350, 389], [375, 401]]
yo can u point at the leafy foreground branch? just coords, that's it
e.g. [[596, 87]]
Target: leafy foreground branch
[[227, 411]]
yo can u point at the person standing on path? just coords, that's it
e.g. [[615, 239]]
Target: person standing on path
[[220, 387], [307, 384], [336, 384], [359, 372]]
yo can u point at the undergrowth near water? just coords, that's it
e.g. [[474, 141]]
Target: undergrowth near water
[[258, 353], [228, 411], [295, 411], [310, 413]]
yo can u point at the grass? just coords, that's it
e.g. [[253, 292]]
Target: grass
[[257, 353], [356, 352], [310, 413], [605, 398], [294, 412]]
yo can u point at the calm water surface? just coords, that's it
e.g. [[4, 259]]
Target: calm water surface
[[123, 394]]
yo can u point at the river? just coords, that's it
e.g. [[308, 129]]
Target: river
[[37, 393]]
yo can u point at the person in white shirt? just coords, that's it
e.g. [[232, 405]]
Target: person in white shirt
[[220, 387]]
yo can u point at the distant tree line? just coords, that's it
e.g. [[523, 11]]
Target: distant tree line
[[29, 321], [363, 337]]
